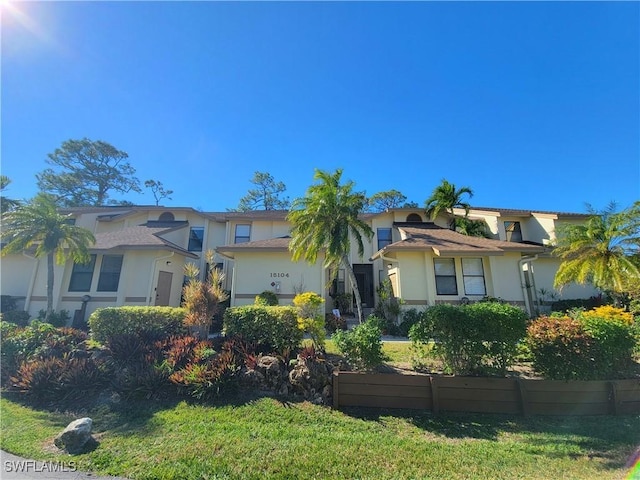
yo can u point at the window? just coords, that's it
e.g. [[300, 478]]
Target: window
[[110, 273], [81, 276], [196, 237], [338, 283], [166, 217], [243, 233], [473, 276], [384, 237], [414, 217], [445, 269], [513, 231], [70, 221]]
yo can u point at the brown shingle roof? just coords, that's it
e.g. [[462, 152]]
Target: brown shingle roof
[[279, 244], [442, 241], [137, 238]]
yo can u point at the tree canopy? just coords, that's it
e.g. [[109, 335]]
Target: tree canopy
[[37, 224], [6, 203], [86, 172], [266, 195], [325, 221], [446, 197], [158, 191], [602, 251], [382, 201]]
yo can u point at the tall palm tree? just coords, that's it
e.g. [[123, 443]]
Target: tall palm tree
[[446, 197], [38, 224], [327, 219], [602, 251]]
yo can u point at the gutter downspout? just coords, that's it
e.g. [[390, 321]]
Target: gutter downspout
[[153, 274], [521, 262]]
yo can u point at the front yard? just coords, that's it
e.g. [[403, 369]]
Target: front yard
[[274, 439]]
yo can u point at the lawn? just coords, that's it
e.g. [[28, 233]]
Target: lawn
[[265, 438]]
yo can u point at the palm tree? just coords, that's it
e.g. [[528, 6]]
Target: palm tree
[[602, 251], [471, 228], [446, 197], [38, 223], [327, 219]]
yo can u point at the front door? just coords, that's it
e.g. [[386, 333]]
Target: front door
[[364, 279], [163, 289]]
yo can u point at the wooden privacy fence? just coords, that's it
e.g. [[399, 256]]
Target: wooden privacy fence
[[440, 393]]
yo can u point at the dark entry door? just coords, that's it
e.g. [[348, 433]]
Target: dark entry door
[[163, 290], [364, 279]]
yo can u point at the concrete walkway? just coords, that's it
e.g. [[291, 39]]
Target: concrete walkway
[[18, 468]]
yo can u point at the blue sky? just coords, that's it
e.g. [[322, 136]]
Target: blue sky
[[533, 105]]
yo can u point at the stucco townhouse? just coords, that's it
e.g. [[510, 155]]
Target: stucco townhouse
[[140, 252]]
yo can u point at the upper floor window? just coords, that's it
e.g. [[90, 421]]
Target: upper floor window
[[384, 237], [196, 237], [81, 276], [166, 217], [414, 217], [243, 233], [110, 273], [473, 276], [513, 231], [445, 269]]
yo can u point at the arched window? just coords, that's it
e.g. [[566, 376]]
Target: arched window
[[166, 217], [414, 217]]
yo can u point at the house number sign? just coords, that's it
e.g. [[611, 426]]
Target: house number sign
[[279, 275]]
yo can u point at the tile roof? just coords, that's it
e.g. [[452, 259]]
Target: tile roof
[[137, 238], [442, 241]]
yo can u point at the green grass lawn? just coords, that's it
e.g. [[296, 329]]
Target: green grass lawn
[[265, 438]]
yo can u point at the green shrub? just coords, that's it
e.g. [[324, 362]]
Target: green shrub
[[480, 338], [57, 319], [310, 318], [39, 341], [361, 346], [409, 319], [270, 329], [343, 302], [388, 307], [19, 317], [7, 303], [570, 304], [333, 323], [151, 322], [266, 299], [588, 348]]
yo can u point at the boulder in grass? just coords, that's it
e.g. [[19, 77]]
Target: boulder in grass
[[75, 436]]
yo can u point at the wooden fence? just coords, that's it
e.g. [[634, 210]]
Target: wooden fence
[[440, 393]]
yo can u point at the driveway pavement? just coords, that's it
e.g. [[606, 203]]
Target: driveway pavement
[[18, 468]]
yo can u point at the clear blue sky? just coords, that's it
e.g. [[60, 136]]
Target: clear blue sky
[[531, 104]]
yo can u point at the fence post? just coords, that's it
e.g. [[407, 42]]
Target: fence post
[[613, 397], [434, 394], [336, 389], [524, 400]]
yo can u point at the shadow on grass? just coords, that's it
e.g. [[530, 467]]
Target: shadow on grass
[[610, 439]]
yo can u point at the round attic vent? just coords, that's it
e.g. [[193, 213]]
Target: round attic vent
[[166, 217]]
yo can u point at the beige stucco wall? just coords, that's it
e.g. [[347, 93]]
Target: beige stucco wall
[[544, 272], [505, 277], [258, 270]]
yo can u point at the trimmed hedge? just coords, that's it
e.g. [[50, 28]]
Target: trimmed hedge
[[476, 339], [271, 329], [147, 322]]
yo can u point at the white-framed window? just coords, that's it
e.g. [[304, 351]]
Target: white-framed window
[[445, 271], [243, 233], [110, 273], [82, 275], [473, 276]]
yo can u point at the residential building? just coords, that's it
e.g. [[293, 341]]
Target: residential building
[[140, 253]]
